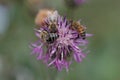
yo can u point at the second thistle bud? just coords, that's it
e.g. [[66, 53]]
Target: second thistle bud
[[74, 3]]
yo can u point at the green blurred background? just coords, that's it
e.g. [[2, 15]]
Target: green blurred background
[[102, 18]]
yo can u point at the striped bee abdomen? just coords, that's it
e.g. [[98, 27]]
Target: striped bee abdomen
[[51, 37]]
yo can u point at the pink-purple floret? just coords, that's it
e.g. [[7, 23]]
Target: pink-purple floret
[[66, 48]]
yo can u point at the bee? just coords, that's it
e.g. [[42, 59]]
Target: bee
[[43, 14], [75, 25], [48, 37]]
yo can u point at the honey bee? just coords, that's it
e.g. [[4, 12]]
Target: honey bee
[[79, 28], [48, 37], [51, 35], [43, 14]]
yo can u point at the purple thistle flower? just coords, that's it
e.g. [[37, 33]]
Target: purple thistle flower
[[79, 2], [74, 3], [66, 47]]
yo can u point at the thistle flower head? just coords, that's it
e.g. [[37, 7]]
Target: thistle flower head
[[74, 3], [59, 48], [79, 2]]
